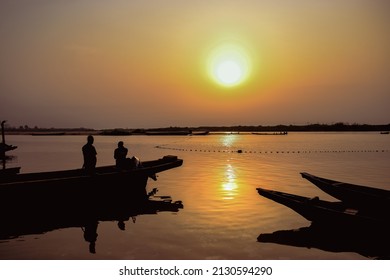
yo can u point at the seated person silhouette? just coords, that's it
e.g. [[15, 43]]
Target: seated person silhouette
[[120, 155], [122, 162]]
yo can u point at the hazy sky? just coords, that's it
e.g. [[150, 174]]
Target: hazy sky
[[133, 64]]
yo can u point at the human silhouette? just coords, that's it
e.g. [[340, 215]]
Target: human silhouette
[[120, 155], [89, 154], [90, 235], [122, 161]]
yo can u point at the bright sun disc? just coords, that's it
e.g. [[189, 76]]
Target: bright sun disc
[[228, 72], [228, 65]]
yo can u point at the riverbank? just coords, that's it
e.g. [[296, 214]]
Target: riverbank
[[337, 127]]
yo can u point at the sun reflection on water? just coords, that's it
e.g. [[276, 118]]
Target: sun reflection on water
[[228, 140], [229, 187]]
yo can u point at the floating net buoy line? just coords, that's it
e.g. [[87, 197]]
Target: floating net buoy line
[[241, 151]]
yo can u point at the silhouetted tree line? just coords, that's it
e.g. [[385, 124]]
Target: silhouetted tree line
[[26, 128], [301, 128], [340, 126]]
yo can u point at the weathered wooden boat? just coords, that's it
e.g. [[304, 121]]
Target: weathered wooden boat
[[368, 243], [75, 187], [361, 197], [325, 212]]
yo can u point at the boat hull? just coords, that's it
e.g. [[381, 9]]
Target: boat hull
[[361, 197], [324, 212], [74, 188]]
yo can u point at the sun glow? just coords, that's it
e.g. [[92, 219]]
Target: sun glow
[[229, 65]]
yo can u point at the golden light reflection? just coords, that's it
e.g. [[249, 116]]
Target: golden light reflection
[[229, 187], [228, 140]]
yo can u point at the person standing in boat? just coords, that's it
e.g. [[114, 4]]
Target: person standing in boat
[[120, 155], [89, 154]]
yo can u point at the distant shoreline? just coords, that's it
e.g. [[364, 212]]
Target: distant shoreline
[[337, 127]]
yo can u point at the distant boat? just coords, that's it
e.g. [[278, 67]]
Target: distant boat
[[361, 197], [325, 212], [75, 188], [270, 133], [385, 132], [199, 132]]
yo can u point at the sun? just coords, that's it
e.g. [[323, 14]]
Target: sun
[[229, 65], [228, 72]]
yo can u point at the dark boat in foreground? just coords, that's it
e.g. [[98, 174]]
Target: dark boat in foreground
[[69, 188], [325, 212], [368, 243], [361, 197]]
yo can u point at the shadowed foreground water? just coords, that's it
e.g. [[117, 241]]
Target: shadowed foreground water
[[222, 215]]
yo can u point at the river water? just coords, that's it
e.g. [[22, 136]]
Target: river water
[[223, 214]]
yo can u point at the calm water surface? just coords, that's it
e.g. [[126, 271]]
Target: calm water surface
[[223, 214]]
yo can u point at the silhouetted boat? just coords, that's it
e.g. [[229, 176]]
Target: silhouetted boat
[[361, 197], [71, 187], [325, 212], [368, 243], [385, 132], [195, 133], [38, 220]]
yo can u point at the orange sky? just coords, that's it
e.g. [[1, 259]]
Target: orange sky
[[133, 64]]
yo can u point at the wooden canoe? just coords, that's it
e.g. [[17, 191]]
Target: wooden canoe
[[325, 212], [75, 187], [357, 196]]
